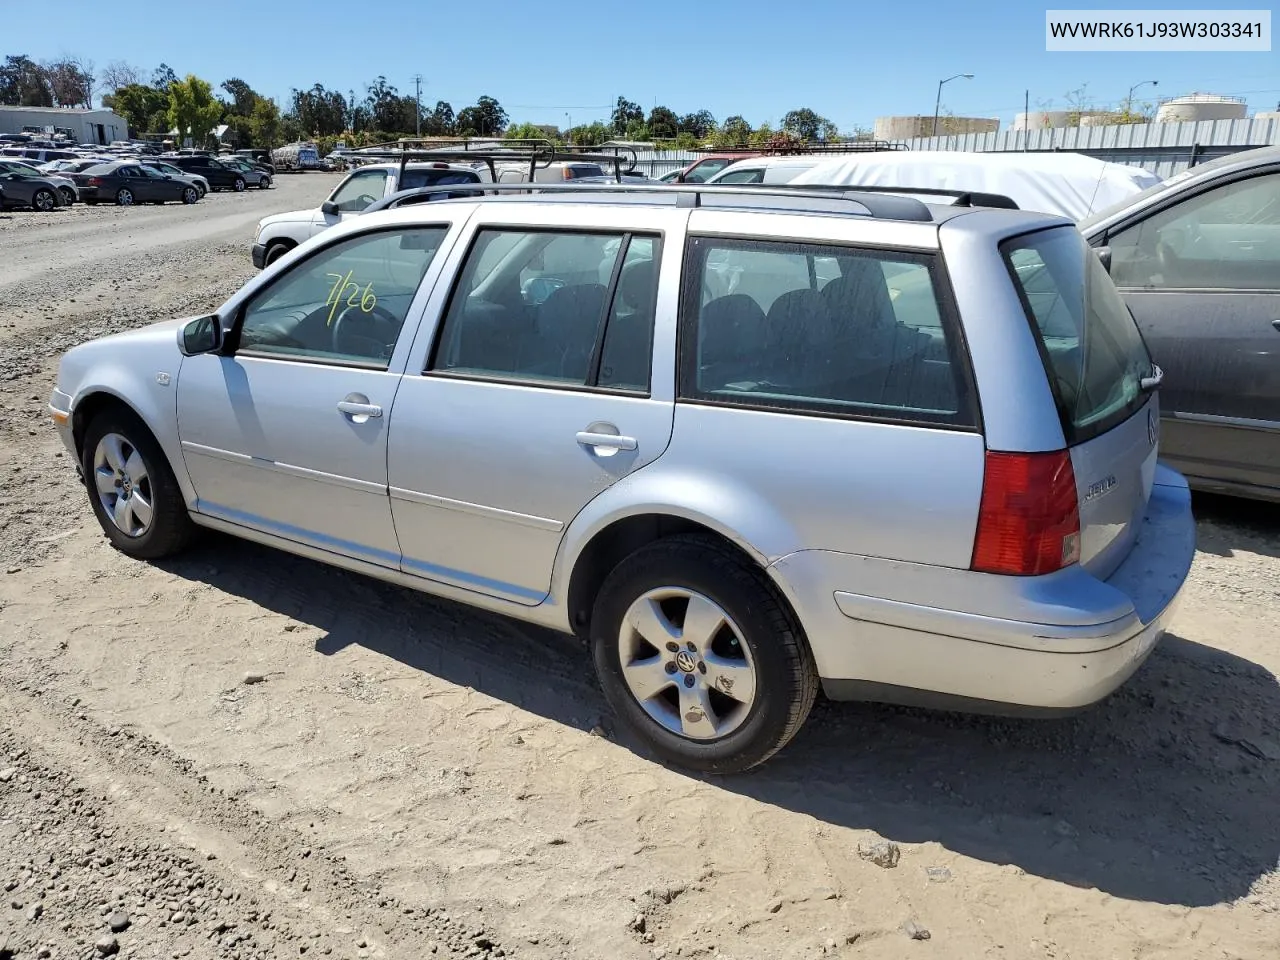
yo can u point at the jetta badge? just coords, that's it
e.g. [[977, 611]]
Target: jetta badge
[[1153, 430], [1100, 489]]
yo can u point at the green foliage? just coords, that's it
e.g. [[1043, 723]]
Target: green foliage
[[485, 119], [807, 125], [590, 134], [264, 125], [144, 107], [193, 109], [663, 123], [625, 113], [25, 83]]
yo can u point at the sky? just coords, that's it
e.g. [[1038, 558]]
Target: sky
[[554, 63]]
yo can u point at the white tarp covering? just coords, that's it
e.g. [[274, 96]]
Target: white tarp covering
[[1068, 184]]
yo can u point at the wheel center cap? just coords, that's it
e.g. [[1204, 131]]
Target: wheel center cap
[[685, 661], [126, 486]]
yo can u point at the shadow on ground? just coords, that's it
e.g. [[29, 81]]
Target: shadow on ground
[[1226, 525], [1166, 792]]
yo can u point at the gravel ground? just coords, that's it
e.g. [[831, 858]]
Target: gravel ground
[[245, 754]]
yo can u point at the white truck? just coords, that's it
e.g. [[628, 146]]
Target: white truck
[[296, 156]]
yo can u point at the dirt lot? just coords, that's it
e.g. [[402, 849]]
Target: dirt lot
[[410, 778]]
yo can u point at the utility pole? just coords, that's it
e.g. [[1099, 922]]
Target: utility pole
[[1026, 120], [417, 96]]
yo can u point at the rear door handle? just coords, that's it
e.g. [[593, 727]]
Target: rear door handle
[[588, 439]]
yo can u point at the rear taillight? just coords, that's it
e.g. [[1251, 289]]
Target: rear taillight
[[1029, 521], [95, 181]]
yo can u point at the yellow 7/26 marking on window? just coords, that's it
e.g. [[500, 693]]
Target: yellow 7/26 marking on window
[[366, 301]]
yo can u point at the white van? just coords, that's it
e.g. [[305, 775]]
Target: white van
[[765, 170]]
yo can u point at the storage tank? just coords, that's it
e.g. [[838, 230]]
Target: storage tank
[[1201, 106], [1056, 119]]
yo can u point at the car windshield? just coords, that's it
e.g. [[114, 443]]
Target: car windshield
[[1093, 352]]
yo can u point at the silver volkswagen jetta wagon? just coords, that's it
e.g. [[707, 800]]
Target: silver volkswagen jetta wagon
[[746, 442]]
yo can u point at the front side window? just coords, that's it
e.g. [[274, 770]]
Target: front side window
[[569, 309], [755, 175], [345, 304], [1225, 238], [359, 190], [1093, 353], [819, 329]]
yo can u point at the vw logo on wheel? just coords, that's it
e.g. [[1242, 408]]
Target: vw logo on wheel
[[685, 661]]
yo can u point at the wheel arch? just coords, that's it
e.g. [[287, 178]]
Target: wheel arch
[[598, 540]]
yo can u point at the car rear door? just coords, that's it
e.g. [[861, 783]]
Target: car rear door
[[1202, 277], [1103, 383], [533, 393]]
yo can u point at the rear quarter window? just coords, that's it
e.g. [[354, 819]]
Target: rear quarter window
[[1092, 351], [818, 329]]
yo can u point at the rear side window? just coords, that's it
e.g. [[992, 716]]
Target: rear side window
[[413, 179], [1092, 350], [820, 329]]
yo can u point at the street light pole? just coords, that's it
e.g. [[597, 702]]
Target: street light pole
[[937, 104], [570, 130], [417, 97], [1128, 104]]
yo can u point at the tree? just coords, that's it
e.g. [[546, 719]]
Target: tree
[[70, 83], [439, 122], [243, 97], [319, 112], [24, 83], [529, 131], [193, 110], [145, 108], [589, 134], [734, 132], [485, 119], [663, 123], [807, 125], [624, 114], [264, 125], [118, 73], [163, 77], [699, 125]]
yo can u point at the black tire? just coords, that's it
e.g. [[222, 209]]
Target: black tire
[[43, 200], [190, 195], [239, 185], [264, 183], [786, 677], [171, 528], [68, 196], [125, 197], [275, 252], [202, 190]]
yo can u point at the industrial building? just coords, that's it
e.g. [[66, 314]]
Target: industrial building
[[904, 128], [82, 125]]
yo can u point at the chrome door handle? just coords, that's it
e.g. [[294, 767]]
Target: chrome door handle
[[353, 408], [588, 439]]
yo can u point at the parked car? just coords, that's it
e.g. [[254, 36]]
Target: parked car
[[279, 233], [126, 182], [218, 175], [1197, 260], [255, 174], [704, 168], [259, 156], [67, 193], [705, 437], [765, 170], [169, 169]]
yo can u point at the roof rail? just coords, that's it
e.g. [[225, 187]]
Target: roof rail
[[873, 204], [805, 147], [963, 198], [538, 152]]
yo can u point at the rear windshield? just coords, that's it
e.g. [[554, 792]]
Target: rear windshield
[[586, 170], [429, 178], [1092, 349]]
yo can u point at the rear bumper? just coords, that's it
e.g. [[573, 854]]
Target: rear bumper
[[917, 634]]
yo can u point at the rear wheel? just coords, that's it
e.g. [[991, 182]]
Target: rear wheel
[[132, 489], [44, 200], [700, 656], [68, 195], [239, 186], [125, 197], [190, 195], [264, 183]]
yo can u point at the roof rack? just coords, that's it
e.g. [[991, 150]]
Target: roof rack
[[539, 153], [883, 206]]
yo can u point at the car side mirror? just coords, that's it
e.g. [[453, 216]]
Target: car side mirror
[[202, 335], [329, 208], [1104, 254]]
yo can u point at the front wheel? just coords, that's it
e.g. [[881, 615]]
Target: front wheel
[[125, 198], [132, 489], [190, 195], [44, 200], [700, 656], [239, 184], [264, 183], [68, 196]]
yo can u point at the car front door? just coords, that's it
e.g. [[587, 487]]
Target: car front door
[[533, 396], [1202, 277], [158, 186], [360, 189], [285, 431]]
